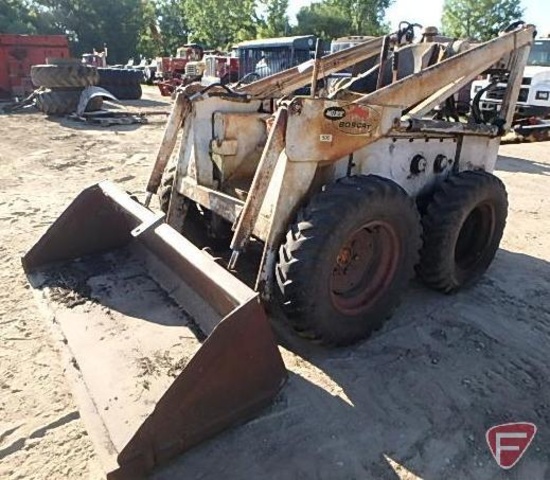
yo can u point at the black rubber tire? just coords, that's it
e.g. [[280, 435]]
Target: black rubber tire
[[119, 77], [463, 225], [126, 92], [310, 256], [198, 226], [165, 189], [64, 75], [64, 101]]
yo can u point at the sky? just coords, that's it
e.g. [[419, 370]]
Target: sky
[[428, 12]]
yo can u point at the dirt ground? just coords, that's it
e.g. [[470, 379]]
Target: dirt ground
[[412, 402]]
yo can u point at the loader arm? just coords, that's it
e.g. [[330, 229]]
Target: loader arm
[[274, 86], [415, 88]]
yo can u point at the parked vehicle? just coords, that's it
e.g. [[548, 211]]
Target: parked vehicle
[[18, 53], [533, 102], [264, 57], [344, 198], [174, 67]]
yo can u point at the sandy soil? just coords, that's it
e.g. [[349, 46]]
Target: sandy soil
[[412, 402]]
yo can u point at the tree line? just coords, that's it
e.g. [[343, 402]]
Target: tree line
[[149, 28]]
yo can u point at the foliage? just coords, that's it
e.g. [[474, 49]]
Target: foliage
[[480, 19], [90, 25], [367, 16], [337, 18], [15, 17], [274, 22], [218, 23], [323, 20], [172, 25], [158, 27]]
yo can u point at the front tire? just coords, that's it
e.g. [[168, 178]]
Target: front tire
[[463, 225], [347, 259]]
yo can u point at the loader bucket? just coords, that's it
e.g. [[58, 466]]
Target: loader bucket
[[130, 295]]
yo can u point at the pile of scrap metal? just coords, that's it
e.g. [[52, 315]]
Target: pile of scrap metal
[[344, 197]]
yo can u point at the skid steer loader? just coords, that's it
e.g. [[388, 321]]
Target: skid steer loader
[[343, 197]]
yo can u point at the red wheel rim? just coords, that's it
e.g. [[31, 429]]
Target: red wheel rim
[[364, 267]]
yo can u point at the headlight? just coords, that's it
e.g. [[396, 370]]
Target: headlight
[[541, 95], [477, 88]]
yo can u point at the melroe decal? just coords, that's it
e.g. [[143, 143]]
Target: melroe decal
[[353, 119]]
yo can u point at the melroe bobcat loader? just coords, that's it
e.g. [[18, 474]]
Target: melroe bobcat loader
[[343, 197]]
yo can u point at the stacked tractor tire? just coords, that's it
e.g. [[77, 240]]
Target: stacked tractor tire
[[123, 84], [61, 86]]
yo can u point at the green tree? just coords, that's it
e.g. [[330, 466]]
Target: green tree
[[274, 22], [323, 20], [150, 40], [366, 16], [15, 17], [337, 18], [480, 19], [90, 25], [173, 25], [219, 23]]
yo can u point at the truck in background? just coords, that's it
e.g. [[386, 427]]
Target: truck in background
[[534, 95], [19, 52]]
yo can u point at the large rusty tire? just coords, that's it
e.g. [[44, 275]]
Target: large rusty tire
[[347, 259], [64, 101], [68, 75], [463, 225]]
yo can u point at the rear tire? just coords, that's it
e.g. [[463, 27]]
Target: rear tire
[[64, 75], [58, 102], [463, 225], [348, 258], [64, 101]]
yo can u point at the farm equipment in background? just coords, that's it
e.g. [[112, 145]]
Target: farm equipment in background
[[96, 59], [18, 53], [256, 59], [264, 57], [532, 116], [219, 68], [347, 42], [171, 71], [340, 198]]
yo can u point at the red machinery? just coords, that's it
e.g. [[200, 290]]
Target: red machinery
[[220, 69], [19, 52], [185, 67], [174, 67]]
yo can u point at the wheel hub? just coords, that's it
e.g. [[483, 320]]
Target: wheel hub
[[364, 267]]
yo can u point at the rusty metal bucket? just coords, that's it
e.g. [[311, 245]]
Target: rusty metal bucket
[[128, 293]]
